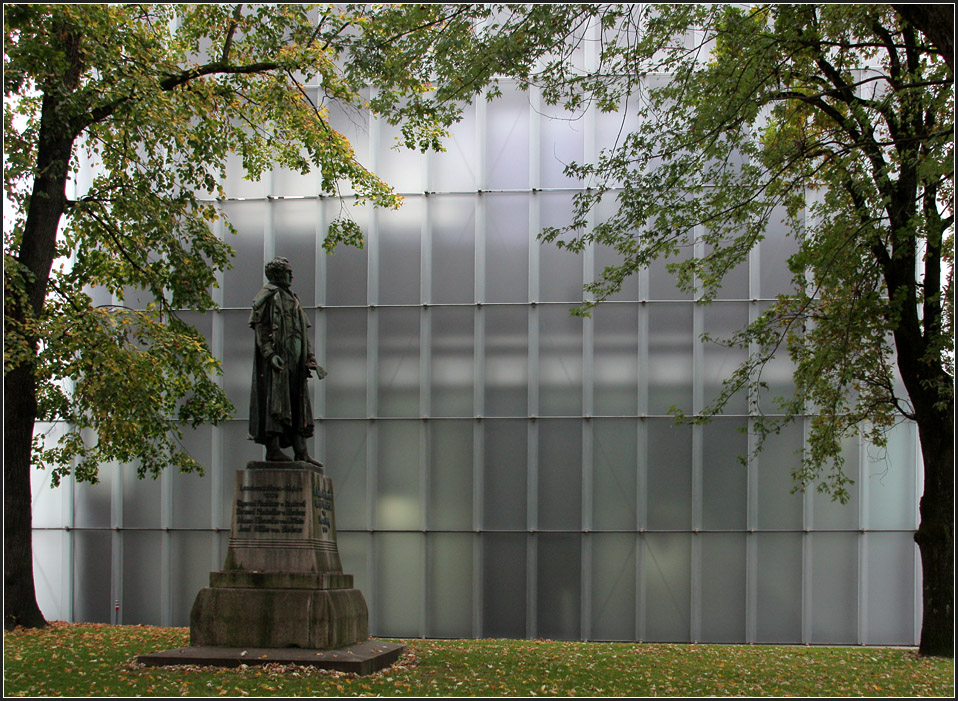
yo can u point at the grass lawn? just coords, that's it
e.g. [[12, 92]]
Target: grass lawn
[[98, 660]]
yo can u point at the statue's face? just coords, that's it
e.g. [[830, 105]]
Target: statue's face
[[282, 277]]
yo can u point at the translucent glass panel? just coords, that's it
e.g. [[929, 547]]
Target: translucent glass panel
[[346, 464], [244, 279], [92, 503], [559, 584], [452, 347], [346, 339], [670, 357], [507, 142], [562, 139], [450, 572], [828, 513], [669, 475], [456, 168], [141, 500], [779, 587], [560, 474], [891, 588], [450, 475], [399, 583], [774, 251], [48, 503], [192, 493], [614, 474], [505, 474], [506, 247], [453, 248], [399, 237], [778, 505], [504, 585], [192, 559], [295, 226], [49, 557], [890, 480], [560, 362], [397, 487], [724, 477], [723, 588], [834, 580], [403, 169], [507, 361], [613, 586], [92, 582], [142, 577], [347, 268], [238, 349], [722, 321], [615, 364], [560, 270], [667, 570], [398, 362]]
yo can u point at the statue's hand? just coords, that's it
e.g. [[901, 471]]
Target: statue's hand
[[318, 369], [321, 372], [278, 363]]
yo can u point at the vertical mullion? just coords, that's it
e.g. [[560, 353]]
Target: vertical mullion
[[479, 372]]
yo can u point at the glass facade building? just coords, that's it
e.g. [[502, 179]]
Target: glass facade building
[[501, 468]]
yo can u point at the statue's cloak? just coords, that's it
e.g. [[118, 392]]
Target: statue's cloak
[[279, 401]]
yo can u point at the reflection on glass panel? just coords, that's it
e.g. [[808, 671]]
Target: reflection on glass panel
[[93, 595], [774, 252], [449, 609], [400, 237], [560, 271], [891, 588], [48, 572], [454, 170], [190, 554], [778, 506], [453, 248], [399, 362], [669, 475], [450, 475], [505, 479], [346, 362], [141, 499], [561, 142], [246, 277], [667, 571], [238, 349], [720, 361], [142, 577], [504, 585], [827, 513], [560, 362], [723, 587], [890, 475], [613, 586], [724, 476], [670, 357], [615, 367], [507, 142], [779, 588], [295, 239], [92, 504], [346, 464], [507, 247], [192, 493], [834, 587], [507, 360], [397, 498], [614, 469], [347, 266], [452, 366], [560, 474], [559, 580], [399, 583]]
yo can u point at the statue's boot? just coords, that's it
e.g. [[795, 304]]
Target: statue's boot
[[274, 453], [299, 446]]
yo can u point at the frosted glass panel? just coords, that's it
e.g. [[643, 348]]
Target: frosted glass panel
[[507, 247], [242, 281], [48, 572], [399, 362], [237, 184], [453, 248], [346, 464], [614, 470], [93, 595], [399, 253], [507, 142], [560, 474], [667, 572], [354, 551], [559, 580], [450, 475], [723, 588], [48, 503], [504, 585], [560, 362], [452, 366], [504, 472], [722, 320], [397, 503], [449, 608], [669, 475], [833, 514], [295, 238], [142, 578], [238, 348], [834, 587], [141, 499], [779, 591], [347, 266], [890, 480], [662, 283], [403, 169], [560, 271], [615, 367], [191, 555], [238, 450], [192, 493], [561, 142], [507, 360], [346, 362], [890, 594], [399, 583], [92, 503], [778, 507], [774, 252], [724, 477], [455, 169], [670, 357], [613, 586]]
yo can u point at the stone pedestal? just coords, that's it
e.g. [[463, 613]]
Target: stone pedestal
[[282, 584]]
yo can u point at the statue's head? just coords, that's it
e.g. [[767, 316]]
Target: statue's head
[[279, 271]]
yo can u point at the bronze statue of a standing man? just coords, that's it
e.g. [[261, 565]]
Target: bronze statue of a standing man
[[280, 414]]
